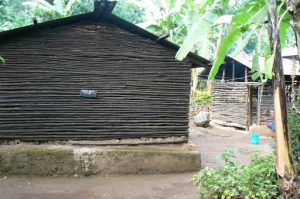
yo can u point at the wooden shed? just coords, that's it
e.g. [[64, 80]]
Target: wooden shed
[[236, 104], [93, 76], [238, 101]]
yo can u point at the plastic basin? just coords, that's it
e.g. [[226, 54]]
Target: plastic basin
[[254, 138]]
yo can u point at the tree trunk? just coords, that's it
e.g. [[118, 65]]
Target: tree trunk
[[284, 163], [293, 93]]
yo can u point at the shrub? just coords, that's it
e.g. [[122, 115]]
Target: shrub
[[255, 180], [294, 128], [297, 167], [298, 95], [202, 97]]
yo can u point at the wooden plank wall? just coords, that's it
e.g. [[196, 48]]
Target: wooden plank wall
[[229, 102], [142, 90]]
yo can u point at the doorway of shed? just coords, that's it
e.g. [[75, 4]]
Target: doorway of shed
[[199, 96], [260, 104]]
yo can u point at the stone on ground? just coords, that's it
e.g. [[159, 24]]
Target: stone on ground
[[202, 119]]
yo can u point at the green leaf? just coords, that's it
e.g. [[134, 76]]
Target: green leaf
[[58, 4], [200, 28], [250, 16], [269, 66], [43, 5], [260, 16], [240, 23], [255, 70], [2, 60], [282, 33], [198, 31], [203, 50], [204, 4], [225, 19], [242, 44], [69, 6], [227, 43]]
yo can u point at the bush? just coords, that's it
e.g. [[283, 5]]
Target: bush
[[298, 96], [202, 97], [255, 180], [294, 128]]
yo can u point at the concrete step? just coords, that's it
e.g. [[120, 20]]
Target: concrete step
[[57, 160]]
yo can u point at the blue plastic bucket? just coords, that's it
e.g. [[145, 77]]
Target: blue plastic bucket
[[254, 138]]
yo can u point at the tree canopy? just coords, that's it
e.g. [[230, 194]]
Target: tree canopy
[[18, 13]]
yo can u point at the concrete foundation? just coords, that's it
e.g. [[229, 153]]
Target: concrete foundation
[[59, 160]]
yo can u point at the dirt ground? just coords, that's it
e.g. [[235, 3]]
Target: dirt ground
[[215, 139], [210, 142]]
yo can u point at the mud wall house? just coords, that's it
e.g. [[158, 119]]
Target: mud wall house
[[93, 76], [238, 101]]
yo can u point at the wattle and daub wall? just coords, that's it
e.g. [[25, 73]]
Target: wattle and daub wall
[[141, 90]]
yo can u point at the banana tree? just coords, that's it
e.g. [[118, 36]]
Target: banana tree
[[284, 162], [273, 21]]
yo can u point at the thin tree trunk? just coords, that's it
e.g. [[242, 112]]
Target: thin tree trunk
[[260, 88], [293, 93], [284, 163], [258, 108]]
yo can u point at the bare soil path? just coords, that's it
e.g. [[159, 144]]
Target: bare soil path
[[215, 139], [171, 186], [210, 142]]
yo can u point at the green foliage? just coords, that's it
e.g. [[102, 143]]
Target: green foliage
[[255, 180], [241, 27], [190, 17], [200, 29], [255, 70], [202, 97], [297, 167], [2, 60], [45, 10], [169, 17], [13, 14], [18, 13], [130, 11], [269, 66], [298, 95], [251, 15], [227, 156], [294, 128]]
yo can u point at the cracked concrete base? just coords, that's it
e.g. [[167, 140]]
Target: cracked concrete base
[[59, 160]]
